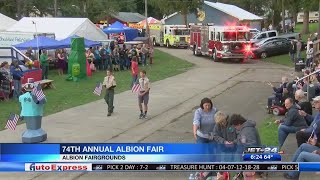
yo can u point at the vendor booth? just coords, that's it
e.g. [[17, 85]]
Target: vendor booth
[[120, 29], [41, 42]]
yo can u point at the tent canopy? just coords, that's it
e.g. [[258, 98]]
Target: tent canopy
[[42, 42], [61, 27], [118, 27], [6, 22], [151, 20], [87, 43]]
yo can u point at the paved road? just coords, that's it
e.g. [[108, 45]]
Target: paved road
[[234, 87]]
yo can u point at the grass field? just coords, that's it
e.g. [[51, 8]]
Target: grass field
[[283, 59], [70, 94], [269, 132]]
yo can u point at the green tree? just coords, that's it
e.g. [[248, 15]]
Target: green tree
[[182, 6], [306, 5]]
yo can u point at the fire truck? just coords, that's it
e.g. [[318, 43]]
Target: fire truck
[[221, 42], [171, 36]]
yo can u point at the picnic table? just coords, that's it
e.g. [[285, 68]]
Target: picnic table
[[46, 83]]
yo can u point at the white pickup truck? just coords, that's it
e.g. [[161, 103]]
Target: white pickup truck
[[273, 33]]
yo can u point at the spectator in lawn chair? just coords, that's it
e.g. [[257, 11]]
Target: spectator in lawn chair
[[278, 92], [203, 123], [292, 122], [303, 135], [302, 103], [308, 87], [5, 87], [225, 135], [307, 152], [248, 134]]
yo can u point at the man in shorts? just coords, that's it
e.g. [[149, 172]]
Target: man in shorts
[[143, 96]]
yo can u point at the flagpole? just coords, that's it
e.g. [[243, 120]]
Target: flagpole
[[35, 25]]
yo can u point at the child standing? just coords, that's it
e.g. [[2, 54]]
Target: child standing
[[143, 96], [109, 83]]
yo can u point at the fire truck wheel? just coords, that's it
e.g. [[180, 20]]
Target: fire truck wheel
[[263, 55], [241, 60], [214, 56]]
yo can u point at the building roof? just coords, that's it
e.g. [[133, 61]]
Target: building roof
[[6, 22], [229, 9], [129, 17], [61, 27], [234, 11]]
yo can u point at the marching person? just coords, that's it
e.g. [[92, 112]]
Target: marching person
[[143, 96], [109, 83]]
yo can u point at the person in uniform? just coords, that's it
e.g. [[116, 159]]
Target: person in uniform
[[109, 83], [143, 96]]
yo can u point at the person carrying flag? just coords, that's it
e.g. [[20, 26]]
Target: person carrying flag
[[143, 96], [109, 83], [32, 103]]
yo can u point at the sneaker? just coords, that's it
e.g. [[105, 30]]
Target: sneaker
[[109, 114], [141, 116], [145, 116]]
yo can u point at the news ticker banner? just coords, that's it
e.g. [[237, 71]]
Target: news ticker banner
[[128, 153], [145, 167]]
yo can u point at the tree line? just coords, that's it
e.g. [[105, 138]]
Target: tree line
[[103, 9]]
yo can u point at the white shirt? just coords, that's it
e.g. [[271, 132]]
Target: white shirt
[[144, 84]]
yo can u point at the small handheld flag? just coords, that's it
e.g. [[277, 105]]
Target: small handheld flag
[[98, 90], [12, 122], [37, 91], [135, 88]]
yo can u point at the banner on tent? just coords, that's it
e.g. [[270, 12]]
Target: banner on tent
[[141, 26]]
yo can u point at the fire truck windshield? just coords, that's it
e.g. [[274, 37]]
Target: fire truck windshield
[[181, 32], [235, 36]]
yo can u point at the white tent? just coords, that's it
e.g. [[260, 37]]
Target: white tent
[[6, 22], [61, 27]]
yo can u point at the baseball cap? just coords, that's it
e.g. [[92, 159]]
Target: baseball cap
[[316, 98]]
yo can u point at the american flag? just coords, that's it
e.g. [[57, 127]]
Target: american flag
[[135, 88], [37, 91], [12, 122], [98, 90]]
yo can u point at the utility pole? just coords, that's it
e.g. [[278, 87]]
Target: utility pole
[[55, 8], [147, 24]]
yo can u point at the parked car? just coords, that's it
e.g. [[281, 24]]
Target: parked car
[[271, 48], [269, 39]]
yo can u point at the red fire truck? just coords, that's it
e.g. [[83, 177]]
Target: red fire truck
[[221, 42]]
